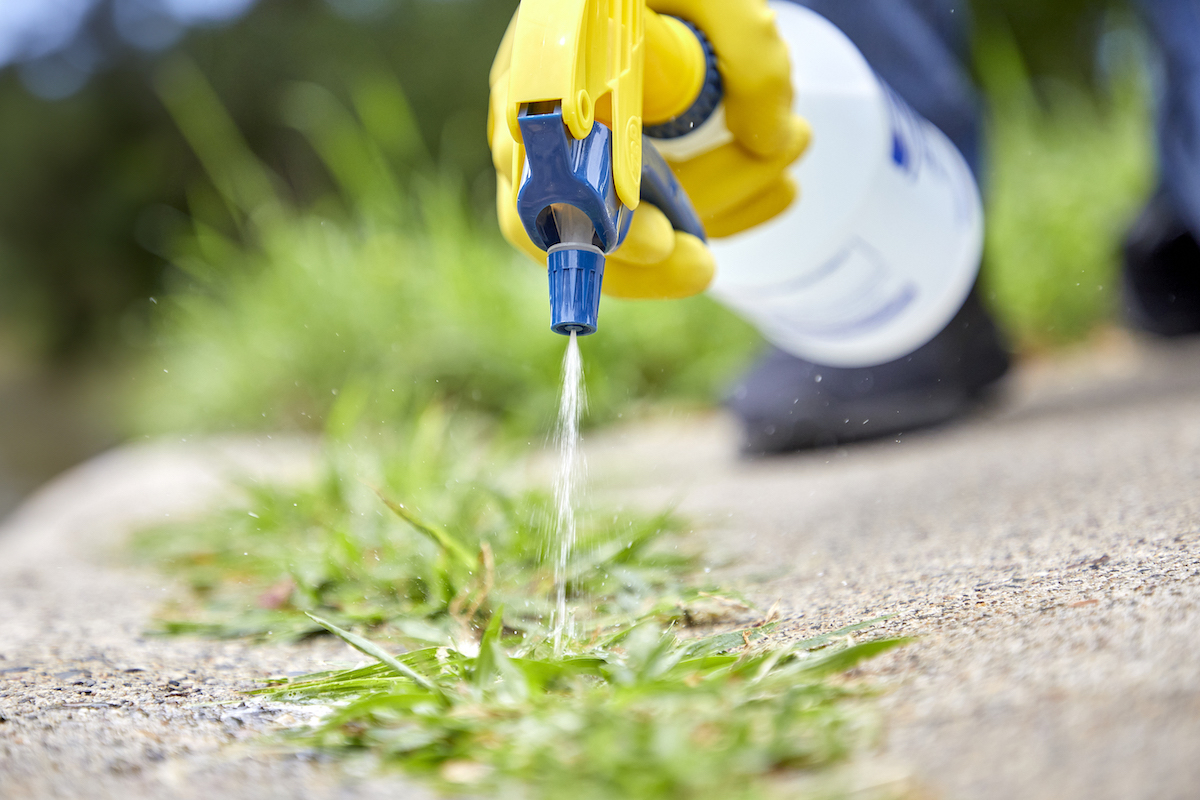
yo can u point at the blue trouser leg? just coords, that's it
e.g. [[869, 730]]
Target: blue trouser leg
[[1175, 25], [921, 49]]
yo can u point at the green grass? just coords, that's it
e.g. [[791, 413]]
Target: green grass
[[420, 543], [650, 694], [1070, 171], [394, 288], [640, 713]]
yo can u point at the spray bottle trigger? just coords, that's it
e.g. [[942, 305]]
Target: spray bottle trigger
[[560, 169]]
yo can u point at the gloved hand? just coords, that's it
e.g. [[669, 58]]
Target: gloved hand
[[734, 187]]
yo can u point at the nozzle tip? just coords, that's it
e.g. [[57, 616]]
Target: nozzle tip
[[576, 276]]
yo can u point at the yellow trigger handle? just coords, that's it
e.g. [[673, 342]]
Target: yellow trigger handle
[[599, 59]]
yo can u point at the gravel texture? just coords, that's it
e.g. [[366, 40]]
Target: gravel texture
[[1046, 553], [90, 707]]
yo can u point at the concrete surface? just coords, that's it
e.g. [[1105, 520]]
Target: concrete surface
[[1046, 553], [90, 707]]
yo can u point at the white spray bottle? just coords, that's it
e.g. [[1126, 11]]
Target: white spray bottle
[[884, 244]]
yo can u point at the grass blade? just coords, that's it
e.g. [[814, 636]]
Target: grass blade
[[817, 642], [846, 659], [444, 540], [487, 663], [375, 651]]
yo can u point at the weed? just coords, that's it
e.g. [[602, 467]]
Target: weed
[[641, 713], [420, 542]]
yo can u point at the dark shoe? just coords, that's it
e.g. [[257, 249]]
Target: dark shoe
[[786, 403], [1161, 279]]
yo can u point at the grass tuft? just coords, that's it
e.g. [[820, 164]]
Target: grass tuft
[[641, 713], [429, 567]]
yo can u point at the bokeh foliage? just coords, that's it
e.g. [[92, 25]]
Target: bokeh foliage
[[1055, 42], [389, 284], [362, 136], [85, 180], [1072, 160]]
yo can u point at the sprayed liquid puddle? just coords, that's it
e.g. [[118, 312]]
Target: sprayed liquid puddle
[[569, 481]]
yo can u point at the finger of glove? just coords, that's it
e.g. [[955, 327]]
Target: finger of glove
[[650, 239], [686, 272], [722, 179], [510, 222], [773, 201], [754, 64]]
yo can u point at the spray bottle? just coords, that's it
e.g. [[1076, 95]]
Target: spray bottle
[[870, 264], [883, 247], [576, 111]]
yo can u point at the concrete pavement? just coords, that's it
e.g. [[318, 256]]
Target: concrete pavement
[[1046, 554]]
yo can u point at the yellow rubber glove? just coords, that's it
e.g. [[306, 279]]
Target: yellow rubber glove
[[733, 187]]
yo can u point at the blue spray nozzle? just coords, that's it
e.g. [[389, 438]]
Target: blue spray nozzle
[[563, 171], [569, 206], [576, 275]]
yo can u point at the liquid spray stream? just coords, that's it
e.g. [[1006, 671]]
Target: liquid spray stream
[[571, 468]]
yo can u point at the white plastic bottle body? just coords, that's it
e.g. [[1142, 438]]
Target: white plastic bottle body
[[884, 244]]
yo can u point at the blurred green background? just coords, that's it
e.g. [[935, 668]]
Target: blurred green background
[[239, 225]]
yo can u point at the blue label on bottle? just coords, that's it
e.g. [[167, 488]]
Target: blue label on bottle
[[909, 150], [899, 151]]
